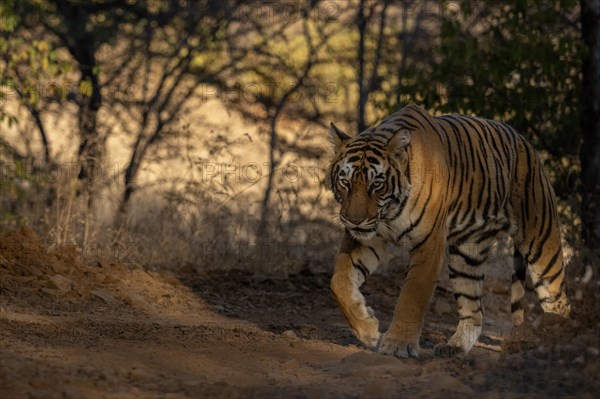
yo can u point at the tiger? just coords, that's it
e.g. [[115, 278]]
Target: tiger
[[447, 187]]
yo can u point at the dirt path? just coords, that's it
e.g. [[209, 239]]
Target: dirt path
[[111, 331]]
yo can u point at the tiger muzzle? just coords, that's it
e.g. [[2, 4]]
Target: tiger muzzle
[[359, 211]]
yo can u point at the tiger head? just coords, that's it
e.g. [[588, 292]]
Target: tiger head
[[369, 177]]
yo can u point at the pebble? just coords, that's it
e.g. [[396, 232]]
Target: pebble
[[136, 301], [72, 392], [51, 291], [479, 380], [139, 374], [62, 283], [104, 295], [592, 351], [290, 365], [289, 334], [579, 360]]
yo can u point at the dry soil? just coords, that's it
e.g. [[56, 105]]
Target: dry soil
[[75, 330]]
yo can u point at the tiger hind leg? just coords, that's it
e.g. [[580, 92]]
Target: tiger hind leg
[[547, 273], [466, 276], [538, 239]]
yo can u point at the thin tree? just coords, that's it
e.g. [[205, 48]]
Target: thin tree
[[367, 83], [590, 122]]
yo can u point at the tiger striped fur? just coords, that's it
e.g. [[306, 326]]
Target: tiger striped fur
[[448, 186]]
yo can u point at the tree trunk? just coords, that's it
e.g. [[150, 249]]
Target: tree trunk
[[590, 123], [366, 85], [90, 146], [131, 173], [82, 45], [363, 95]]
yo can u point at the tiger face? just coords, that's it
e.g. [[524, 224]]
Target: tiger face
[[369, 177]]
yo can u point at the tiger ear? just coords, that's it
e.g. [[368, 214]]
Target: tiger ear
[[337, 137], [399, 141]]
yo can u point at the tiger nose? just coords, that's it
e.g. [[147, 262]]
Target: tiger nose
[[354, 219]]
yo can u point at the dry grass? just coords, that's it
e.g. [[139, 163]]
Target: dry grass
[[190, 218]]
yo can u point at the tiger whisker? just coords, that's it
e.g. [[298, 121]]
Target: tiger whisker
[[386, 230]]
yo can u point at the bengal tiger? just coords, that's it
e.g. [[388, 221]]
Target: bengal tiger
[[447, 185]]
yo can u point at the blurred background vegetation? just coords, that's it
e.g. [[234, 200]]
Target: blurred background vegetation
[[175, 133]]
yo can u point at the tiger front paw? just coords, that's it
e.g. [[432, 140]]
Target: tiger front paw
[[448, 350], [367, 331], [398, 348]]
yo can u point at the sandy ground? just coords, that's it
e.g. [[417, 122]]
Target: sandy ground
[[71, 330]]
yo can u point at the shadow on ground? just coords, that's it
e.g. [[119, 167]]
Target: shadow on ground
[[75, 330]]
